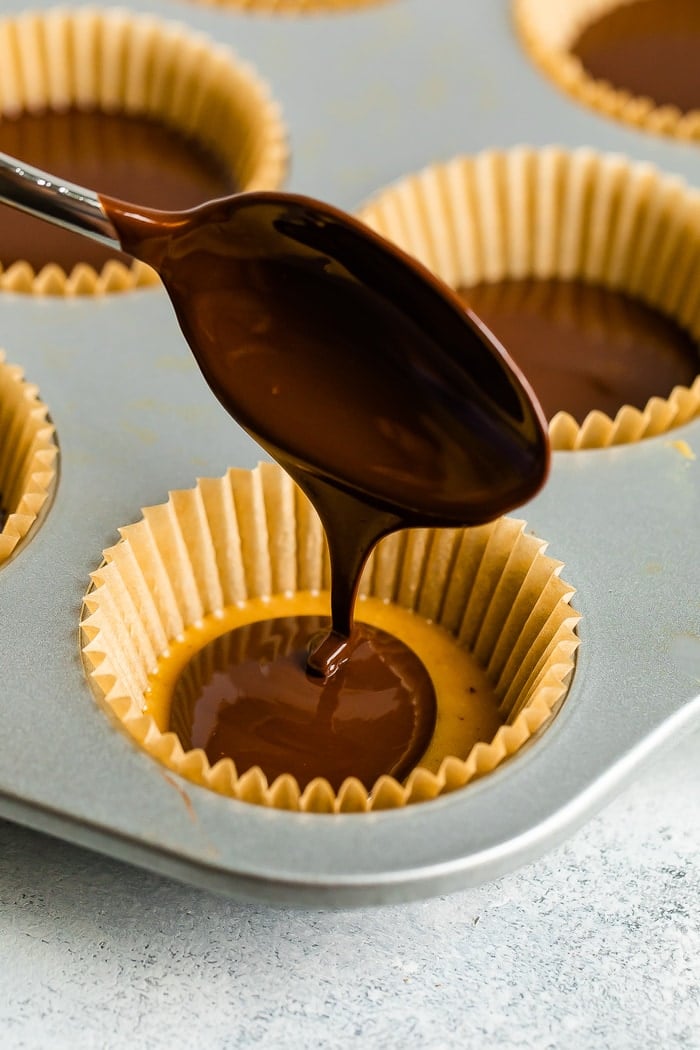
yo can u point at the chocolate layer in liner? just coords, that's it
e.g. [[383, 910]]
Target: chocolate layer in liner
[[597, 243], [109, 66], [247, 696], [631, 61], [585, 347], [649, 48], [126, 155]]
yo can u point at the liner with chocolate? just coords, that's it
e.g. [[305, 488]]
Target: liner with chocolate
[[556, 214], [234, 545], [549, 30], [112, 61], [28, 453]]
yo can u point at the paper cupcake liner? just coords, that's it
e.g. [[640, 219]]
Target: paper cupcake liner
[[28, 454], [295, 7], [548, 29], [232, 542], [116, 61], [551, 213]]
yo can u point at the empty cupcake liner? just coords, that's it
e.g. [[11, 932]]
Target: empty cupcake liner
[[28, 453], [242, 547], [548, 29], [552, 213], [117, 61]]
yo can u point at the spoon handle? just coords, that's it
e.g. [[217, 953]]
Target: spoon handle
[[56, 200]]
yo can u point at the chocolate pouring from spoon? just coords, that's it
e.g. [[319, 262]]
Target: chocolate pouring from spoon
[[358, 371]]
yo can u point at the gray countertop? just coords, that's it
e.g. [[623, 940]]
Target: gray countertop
[[596, 945]]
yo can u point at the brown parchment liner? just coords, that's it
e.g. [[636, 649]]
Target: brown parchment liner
[[252, 534], [549, 28], [552, 213], [28, 454], [117, 61]]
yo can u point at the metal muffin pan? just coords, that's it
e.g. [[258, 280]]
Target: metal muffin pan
[[368, 96]]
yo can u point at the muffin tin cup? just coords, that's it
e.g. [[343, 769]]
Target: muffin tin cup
[[548, 28], [28, 455], [116, 61], [553, 213], [235, 549]]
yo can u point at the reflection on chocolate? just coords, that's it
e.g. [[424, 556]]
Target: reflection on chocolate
[[585, 347], [247, 696], [128, 156], [358, 372], [649, 48]]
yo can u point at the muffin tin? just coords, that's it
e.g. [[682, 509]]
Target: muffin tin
[[368, 96]]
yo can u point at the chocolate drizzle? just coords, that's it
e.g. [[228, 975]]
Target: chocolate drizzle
[[359, 372]]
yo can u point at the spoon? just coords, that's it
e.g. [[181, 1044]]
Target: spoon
[[361, 373]]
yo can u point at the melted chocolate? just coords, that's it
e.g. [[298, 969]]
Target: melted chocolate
[[584, 347], [369, 382], [128, 156], [356, 370], [247, 696], [648, 47]]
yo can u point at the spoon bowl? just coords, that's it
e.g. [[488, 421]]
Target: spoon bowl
[[343, 357]]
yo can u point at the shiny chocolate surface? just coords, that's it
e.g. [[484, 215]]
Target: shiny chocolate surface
[[649, 48], [247, 696], [584, 347]]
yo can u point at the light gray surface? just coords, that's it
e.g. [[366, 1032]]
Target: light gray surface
[[593, 947]]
